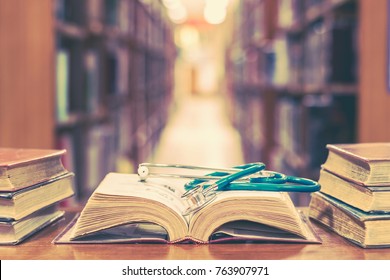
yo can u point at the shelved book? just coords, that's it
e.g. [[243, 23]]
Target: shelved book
[[123, 209], [363, 163], [21, 168], [368, 230]]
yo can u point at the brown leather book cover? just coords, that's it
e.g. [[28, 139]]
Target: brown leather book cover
[[21, 168], [363, 163], [10, 157], [363, 151]]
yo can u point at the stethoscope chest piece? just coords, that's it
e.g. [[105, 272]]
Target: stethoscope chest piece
[[198, 198]]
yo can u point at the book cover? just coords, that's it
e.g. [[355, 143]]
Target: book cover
[[364, 163], [21, 168], [365, 152], [15, 232], [21, 203], [365, 198], [368, 230]]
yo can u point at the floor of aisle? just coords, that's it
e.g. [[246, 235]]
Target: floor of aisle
[[199, 133]]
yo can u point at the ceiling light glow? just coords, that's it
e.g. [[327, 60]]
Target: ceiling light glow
[[176, 11], [215, 11]]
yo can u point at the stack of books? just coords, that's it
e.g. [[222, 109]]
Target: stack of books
[[355, 193], [32, 184]]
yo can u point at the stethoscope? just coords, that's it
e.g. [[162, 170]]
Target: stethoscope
[[251, 176]]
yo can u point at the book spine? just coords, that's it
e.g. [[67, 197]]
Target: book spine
[[188, 239]]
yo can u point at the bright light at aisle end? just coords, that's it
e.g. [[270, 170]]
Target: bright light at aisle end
[[176, 11], [188, 36], [214, 11]]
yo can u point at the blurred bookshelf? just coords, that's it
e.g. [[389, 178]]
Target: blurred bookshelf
[[113, 84], [293, 81]]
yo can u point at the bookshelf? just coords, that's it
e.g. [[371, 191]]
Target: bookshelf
[[374, 68], [293, 72], [114, 82], [248, 60], [26, 79]]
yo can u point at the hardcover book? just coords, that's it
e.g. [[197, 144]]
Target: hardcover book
[[14, 232], [365, 198], [364, 163], [21, 168], [123, 209], [368, 230], [16, 205]]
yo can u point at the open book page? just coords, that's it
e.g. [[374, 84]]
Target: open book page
[[274, 209], [121, 199], [246, 230], [126, 233], [164, 191]]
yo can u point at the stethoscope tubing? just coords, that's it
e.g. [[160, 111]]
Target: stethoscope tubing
[[224, 172], [191, 167], [237, 178], [305, 185], [275, 181], [250, 177]]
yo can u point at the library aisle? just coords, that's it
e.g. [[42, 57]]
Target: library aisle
[[199, 133]]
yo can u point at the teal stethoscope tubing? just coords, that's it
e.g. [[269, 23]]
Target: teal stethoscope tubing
[[276, 182]]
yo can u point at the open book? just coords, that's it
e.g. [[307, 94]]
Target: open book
[[123, 209]]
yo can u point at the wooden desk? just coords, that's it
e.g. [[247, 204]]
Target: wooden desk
[[334, 247]]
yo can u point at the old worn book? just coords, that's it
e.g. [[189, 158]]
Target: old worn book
[[364, 163], [14, 232], [16, 205], [21, 168], [368, 230], [366, 198], [123, 209]]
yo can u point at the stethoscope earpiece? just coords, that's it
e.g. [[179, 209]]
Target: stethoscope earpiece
[[143, 172]]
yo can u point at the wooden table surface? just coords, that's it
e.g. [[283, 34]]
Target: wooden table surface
[[333, 247]]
